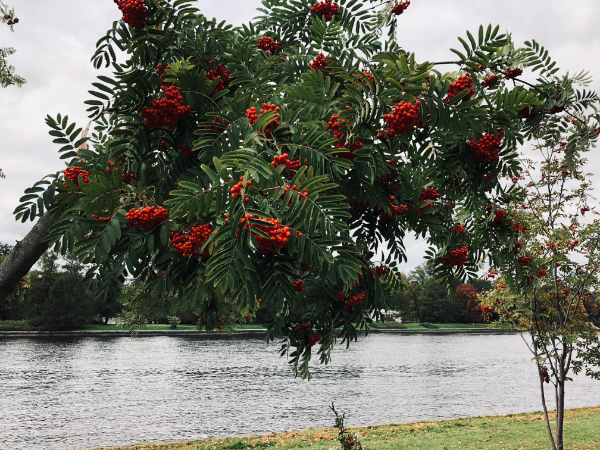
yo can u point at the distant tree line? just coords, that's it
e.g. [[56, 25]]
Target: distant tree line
[[53, 296], [424, 298]]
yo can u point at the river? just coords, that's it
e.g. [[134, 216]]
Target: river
[[89, 392]]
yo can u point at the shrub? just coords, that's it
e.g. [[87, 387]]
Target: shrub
[[36, 322]]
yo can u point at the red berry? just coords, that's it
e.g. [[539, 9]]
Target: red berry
[[462, 83], [326, 8], [268, 45], [457, 258], [189, 242], [513, 73], [167, 110], [320, 63], [402, 120], [134, 12], [401, 7], [147, 217]]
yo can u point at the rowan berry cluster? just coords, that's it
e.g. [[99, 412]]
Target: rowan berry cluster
[[486, 310], [236, 191], [381, 271], [354, 300], [302, 194], [253, 116], [319, 63], [279, 235], [400, 7], [313, 340], [402, 120], [499, 216], [302, 326], [427, 195], [520, 228], [396, 211], [147, 217], [268, 45], [337, 126], [524, 260], [541, 273], [513, 73], [487, 149], [299, 286], [10, 20], [370, 77], [22, 285], [459, 230], [221, 74], [462, 83], [166, 111], [457, 258], [102, 219], [291, 165], [325, 8], [185, 150], [72, 173], [489, 81], [349, 154], [189, 242], [134, 12]]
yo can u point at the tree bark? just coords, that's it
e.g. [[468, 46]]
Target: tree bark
[[23, 256]]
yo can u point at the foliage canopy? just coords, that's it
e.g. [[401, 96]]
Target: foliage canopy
[[357, 143]]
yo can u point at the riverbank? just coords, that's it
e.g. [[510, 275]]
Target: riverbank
[[513, 431]]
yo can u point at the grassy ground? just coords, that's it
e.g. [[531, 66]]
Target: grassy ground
[[511, 432]]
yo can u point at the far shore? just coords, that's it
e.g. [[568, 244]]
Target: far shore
[[246, 331]]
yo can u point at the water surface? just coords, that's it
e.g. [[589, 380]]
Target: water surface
[[89, 392]]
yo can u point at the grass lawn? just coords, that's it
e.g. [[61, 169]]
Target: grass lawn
[[511, 432]]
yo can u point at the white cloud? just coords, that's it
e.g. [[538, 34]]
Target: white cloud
[[55, 40]]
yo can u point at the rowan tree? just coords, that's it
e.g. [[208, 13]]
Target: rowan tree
[[551, 257], [231, 166]]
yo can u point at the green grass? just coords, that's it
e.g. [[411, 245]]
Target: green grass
[[514, 432]]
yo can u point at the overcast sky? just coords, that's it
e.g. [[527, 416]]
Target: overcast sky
[[55, 40]]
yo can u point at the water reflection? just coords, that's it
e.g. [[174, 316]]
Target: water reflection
[[63, 394]]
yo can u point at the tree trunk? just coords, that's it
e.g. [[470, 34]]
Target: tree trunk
[[23, 256], [549, 429], [560, 413]]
